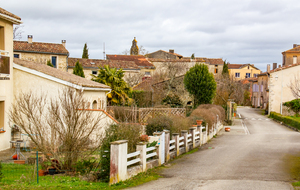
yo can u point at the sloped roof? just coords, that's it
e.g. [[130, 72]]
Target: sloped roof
[[5, 12], [68, 77], [282, 68], [215, 61], [239, 66], [139, 60], [40, 47], [295, 49], [144, 85], [178, 55], [95, 63], [211, 61]]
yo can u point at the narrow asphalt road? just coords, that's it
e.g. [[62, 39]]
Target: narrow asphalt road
[[258, 153]]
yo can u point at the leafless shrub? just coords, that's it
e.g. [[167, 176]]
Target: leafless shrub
[[295, 86], [58, 126]]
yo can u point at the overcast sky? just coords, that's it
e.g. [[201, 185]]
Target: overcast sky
[[240, 31]]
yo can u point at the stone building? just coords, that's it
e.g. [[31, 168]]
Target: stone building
[[41, 52], [291, 56]]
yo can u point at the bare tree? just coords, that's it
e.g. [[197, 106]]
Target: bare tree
[[133, 79], [295, 86], [58, 126], [17, 32], [126, 52], [143, 51]]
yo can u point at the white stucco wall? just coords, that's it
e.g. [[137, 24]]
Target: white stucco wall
[[283, 77]]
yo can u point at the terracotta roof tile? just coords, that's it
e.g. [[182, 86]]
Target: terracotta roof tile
[[5, 12], [59, 74], [95, 63], [282, 68], [139, 60], [215, 61], [235, 66], [295, 49], [40, 47]]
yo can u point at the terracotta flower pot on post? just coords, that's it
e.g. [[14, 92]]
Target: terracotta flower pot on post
[[227, 129], [199, 122]]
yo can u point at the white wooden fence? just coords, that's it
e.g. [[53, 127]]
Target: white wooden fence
[[124, 166]]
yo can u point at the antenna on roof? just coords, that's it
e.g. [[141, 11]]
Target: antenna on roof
[[104, 50]]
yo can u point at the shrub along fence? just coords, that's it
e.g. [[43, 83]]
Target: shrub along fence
[[124, 166]]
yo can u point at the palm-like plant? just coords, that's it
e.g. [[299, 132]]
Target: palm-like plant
[[114, 78]]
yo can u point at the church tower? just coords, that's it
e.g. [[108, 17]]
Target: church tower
[[134, 50]]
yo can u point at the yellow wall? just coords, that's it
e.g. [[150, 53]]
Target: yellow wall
[[289, 57], [43, 58], [243, 72], [6, 86]]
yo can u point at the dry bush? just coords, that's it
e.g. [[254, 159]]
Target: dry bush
[[217, 109], [123, 113], [180, 123], [58, 126], [208, 116]]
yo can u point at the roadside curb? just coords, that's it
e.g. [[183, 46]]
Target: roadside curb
[[286, 125]]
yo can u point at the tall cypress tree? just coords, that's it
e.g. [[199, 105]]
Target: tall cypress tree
[[225, 71], [85, 53], [78, 70]]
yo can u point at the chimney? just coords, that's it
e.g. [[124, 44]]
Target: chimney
[[268, 68], [274, 66], [30, 39], [295, 45], [171, 51], [63, 42], [279, 66]]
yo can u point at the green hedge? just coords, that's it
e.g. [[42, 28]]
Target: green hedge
[[286, 119]]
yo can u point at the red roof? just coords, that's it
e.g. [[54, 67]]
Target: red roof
[[95, 63], [139, 60], [40, 47]]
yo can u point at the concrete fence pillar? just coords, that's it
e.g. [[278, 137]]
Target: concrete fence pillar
[[158, 152], [175, 136], [192, 131], [141, 146], [200, 134], [118, 161], [184, 134], [160, 147], [167, 145]]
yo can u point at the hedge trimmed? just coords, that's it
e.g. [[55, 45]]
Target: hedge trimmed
[[286, 119]]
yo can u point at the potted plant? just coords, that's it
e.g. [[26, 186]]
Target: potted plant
[[199, 122]]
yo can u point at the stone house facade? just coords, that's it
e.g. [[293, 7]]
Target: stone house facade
[[41, 52], [291, 56]]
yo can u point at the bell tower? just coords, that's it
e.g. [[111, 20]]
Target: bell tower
[[134, 50]]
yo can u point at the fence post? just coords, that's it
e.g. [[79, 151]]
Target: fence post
[[167, 145], [158, 154], [37, 167], [184, 133], [141, 146], [118, 161], [176, 138], [192, 131], [161, 147], [200, 133]]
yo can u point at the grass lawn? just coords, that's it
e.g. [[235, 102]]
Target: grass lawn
[[21, 177]]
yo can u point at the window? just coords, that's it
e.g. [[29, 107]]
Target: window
[[248, 67], [53, 61], [16, 55], [147, 73], [216, 70], [237, 75], [94, 72], [294, 59], [95, 104], [247, 75], [255, 75]]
